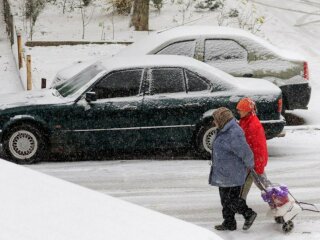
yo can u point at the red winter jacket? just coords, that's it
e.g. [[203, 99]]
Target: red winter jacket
[[256, 139]]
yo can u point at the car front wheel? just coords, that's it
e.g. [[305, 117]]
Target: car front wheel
[[205, 137], [24, 144]]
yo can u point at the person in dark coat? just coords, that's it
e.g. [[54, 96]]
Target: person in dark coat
[[231, 159]]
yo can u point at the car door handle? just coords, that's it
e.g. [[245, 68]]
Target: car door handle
[[247, 75], [130, 108], [192, 105]]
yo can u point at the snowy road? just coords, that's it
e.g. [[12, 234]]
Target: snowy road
[[179, 187]]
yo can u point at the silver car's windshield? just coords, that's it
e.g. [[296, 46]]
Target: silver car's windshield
[[71, 86]]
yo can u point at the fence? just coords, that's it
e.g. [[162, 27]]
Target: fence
[[70, 43], [8, 18]]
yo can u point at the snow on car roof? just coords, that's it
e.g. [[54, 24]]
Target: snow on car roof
[[155, 40], [211, 73], [205, 70], [143, 61]]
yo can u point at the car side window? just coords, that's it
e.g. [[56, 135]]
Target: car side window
[[217, 50], [195, 82], [119, 84], [167, 80], [185, 48]]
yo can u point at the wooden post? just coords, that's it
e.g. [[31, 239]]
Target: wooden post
[[43, 83], [29, 77], [19, 50]]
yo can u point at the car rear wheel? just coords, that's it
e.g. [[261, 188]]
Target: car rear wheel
[[24, 144], [205, 137]]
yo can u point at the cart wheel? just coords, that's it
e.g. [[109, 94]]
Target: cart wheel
[[279, 220], [287, 226]]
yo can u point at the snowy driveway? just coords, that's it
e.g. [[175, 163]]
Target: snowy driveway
[[179, 187]]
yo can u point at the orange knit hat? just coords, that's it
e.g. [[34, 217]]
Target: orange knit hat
[[246, 105]]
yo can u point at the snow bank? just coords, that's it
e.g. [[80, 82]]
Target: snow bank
[[36, 206]]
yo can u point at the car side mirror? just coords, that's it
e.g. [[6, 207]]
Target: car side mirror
[[91, 96]]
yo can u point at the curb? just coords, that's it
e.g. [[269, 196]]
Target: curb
[[71, 43]]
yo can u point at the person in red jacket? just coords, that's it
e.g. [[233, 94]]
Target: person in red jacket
[[255, 136]]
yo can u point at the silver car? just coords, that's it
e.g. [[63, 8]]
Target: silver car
[[236, 52]]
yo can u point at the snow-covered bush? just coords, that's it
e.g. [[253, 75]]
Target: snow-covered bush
[[212, 5], [248, 18], [86, 2], [158, 4], [242, 15], [233, 13]]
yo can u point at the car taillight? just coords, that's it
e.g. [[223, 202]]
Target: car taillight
[[280, 105], [305, 71]]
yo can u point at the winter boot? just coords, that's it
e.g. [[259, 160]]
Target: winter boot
[[249, 219], [231, 226]]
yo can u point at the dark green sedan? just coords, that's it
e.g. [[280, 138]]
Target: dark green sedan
[[121, 104]]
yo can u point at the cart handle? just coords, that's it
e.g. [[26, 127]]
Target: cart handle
[[257, 178]]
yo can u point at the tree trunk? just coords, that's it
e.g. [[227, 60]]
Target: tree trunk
[[140, 15], [83, 16]]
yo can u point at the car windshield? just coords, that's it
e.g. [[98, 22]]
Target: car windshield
[[71, 86]]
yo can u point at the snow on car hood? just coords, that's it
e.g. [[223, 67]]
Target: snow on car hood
[[70, 71], [27, 98]]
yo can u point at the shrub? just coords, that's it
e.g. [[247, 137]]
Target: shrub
[[158, 4], [233, 13], [33, 9], [86, 2], [123, 7]]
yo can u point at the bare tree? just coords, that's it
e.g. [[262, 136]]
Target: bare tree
[[85, 19], [184, 6], [32, 11], [112, 21], [64, 6], [140, 15], [112, 8]]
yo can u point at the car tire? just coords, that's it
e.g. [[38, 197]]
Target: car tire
[[24, 144], [204, 139]]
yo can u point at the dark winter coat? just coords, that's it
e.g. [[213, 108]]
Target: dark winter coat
[[256, 138], [231, 157]]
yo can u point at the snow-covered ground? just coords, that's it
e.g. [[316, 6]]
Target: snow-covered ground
[[35, 206], [180, 188], [294, 159], [298, 32], [47, 67]]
